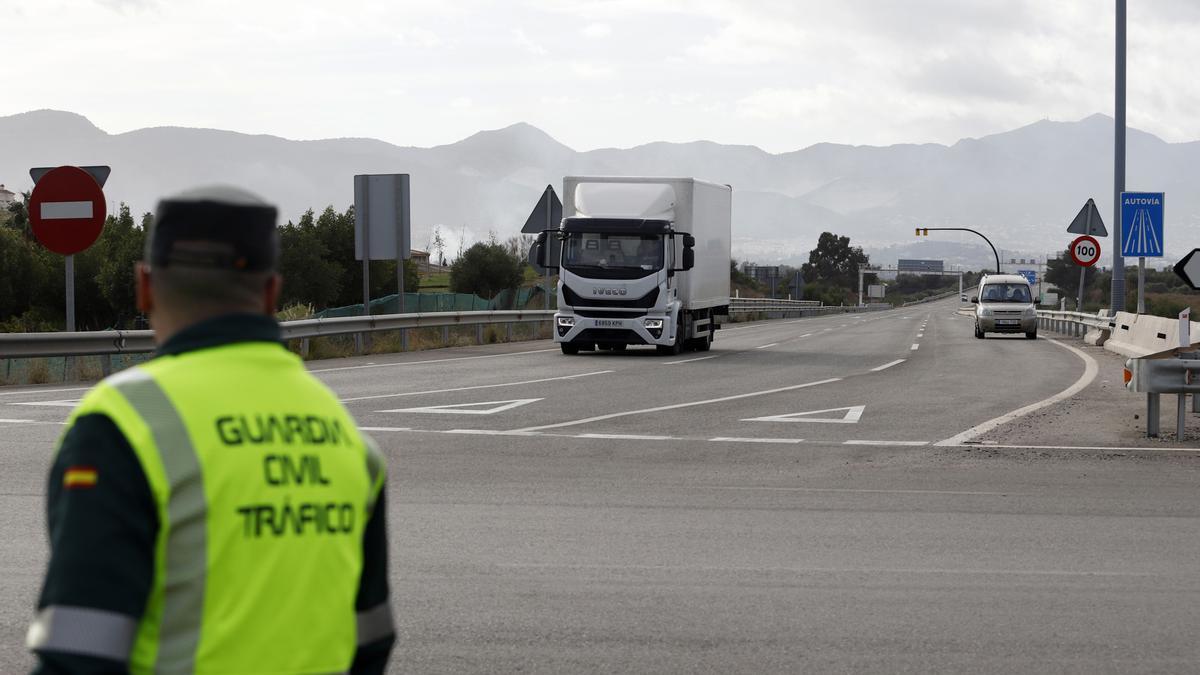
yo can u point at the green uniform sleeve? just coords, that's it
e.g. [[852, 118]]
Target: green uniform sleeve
[[102, 523]]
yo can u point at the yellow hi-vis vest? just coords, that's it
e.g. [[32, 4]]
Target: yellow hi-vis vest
[[263, 487]]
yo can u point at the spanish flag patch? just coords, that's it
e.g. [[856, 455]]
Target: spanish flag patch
[[80, 477]]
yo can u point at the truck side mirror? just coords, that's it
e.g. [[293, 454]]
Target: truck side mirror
[[689, 241], [689, 258], [538, 253]]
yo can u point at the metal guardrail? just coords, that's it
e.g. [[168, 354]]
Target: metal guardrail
[[24, 345], [1073, 323], [1156, 376], [108, 342], [932, 298]]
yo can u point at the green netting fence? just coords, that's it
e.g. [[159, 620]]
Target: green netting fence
[[513, 298]]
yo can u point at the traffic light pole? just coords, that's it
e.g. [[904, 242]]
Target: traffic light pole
[[927, 230], [1117, 297]]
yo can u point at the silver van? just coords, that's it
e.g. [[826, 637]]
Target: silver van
[[1005, 305]]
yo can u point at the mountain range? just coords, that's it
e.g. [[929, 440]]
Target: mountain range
[[1020, 187]]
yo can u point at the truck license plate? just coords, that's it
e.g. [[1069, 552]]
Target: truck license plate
[[609, 323]]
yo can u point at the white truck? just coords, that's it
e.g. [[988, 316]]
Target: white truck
[[641, 261]]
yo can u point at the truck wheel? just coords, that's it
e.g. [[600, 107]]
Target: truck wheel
[[674, 349], [705, 343], [568, 348]]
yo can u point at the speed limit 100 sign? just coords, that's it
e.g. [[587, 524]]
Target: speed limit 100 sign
[[1085, 251]]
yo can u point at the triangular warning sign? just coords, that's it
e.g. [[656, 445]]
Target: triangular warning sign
[[852, 415], [547, 215], [480, 408], [1088, 221]]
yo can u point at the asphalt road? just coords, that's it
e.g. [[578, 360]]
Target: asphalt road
[[808, 496]]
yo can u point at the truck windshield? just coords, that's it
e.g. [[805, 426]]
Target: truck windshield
[[630, 253], [1005, 293]]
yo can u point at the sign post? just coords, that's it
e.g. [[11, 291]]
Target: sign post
[[545, 217], [382, 227], [1087, 222], [1142, 233], [1085, 251], [66, 214]]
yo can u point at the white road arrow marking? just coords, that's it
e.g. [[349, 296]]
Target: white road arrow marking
[[853, 414], [468, 408]]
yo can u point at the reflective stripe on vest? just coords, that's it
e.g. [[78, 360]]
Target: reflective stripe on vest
[[84, 631], [186, 555], [375, 623]]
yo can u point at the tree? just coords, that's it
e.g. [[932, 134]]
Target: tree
[[485, 269], [438, 243], [835, 262]]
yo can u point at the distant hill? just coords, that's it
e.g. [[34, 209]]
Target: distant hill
[[1022, 186]]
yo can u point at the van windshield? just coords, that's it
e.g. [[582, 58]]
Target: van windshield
[[1006, 293]]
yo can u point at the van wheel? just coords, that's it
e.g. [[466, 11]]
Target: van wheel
[[568, 348], [978, 333], [1031, 335]]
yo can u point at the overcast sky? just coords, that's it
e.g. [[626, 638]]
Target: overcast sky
[[779, 74]]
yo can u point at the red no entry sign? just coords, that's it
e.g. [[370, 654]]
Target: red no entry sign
[[1085, 251], [66, 210]]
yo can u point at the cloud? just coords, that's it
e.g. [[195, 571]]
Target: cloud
[[523, 40], [597, 30]]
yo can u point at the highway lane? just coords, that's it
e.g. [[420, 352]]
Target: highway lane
[[637, 543]]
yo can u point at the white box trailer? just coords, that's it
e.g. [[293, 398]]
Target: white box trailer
[[643, 261]]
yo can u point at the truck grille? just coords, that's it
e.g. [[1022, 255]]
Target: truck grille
[[574, 300]]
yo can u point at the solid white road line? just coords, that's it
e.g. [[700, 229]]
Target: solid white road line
[[4, 421], [784, 488], [701, 358], [885, 443], [915, 347], [676, 406], [741, 569], [734, 439], [1089, 374], [385, 428], [421, 363], [479, 386], [888, 365], [628, 437], [765, 346], [33, 392]]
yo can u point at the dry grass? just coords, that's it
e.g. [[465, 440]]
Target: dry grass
[[39, 372]]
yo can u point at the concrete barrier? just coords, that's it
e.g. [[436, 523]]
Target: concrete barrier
[[1135, 335]]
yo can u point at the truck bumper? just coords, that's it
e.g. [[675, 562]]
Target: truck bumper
[[601, 330]]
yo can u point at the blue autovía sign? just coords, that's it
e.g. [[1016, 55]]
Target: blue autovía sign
[[1142, 224], [1029, 275]]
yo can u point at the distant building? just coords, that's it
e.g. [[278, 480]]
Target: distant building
[[7, 197], [918, 266]]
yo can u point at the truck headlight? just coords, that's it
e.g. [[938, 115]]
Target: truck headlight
[[654, 327], [565, 324]]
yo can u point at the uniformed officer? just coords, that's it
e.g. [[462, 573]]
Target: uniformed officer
[[214, 510]]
